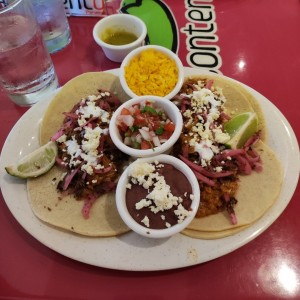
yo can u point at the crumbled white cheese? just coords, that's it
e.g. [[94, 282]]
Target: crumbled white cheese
[[99, 167], [220, 136], [73, 148], [218, 169], [142, 203], [90, 110], [204, 150], [86, 154], [141, 169], [146, 221], [204, 136], [91, 139], [181, 213], [62, 139]]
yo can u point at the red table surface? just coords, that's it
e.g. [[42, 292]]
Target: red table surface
[[266, 36]]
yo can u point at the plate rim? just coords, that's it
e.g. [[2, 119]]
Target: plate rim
[[140, 243]]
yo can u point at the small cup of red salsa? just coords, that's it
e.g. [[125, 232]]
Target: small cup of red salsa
[[157, 196], [146, 126]]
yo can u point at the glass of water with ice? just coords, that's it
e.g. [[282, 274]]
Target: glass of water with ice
[[26, 70], [54, 23]]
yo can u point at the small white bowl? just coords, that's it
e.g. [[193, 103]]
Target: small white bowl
[[157, 233], [165, 51], [125, 22], [170, 109]]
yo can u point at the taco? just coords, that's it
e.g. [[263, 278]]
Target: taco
[[237, 185], [81, 199], [256, 194]]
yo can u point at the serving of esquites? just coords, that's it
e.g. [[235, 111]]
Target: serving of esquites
[[223, 141]]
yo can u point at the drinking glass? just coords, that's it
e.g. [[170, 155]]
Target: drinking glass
[[54, 23], [26, 69]]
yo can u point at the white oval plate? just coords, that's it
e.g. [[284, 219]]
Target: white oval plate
[[131, 251]]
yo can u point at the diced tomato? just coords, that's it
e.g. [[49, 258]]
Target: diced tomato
[[156, 125], [122, 127], [145, 145], [136, 112], [140, 120], [165, 135], [125, 111], [153, 122], [170, 127]]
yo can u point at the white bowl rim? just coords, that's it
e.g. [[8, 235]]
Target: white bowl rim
[[139, 40], [178, 121], [166, 51], [157, 233]]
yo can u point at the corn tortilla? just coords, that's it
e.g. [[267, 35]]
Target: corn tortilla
[[256, 194], [47, 204], [209, 235]]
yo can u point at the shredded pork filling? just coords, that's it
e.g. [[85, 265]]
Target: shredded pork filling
[[202, 147], [90, 160]]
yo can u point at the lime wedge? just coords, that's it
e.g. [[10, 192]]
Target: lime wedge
[[240, 128], [36, 163]]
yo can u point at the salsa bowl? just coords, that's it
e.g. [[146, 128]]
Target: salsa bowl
[[151, 120]]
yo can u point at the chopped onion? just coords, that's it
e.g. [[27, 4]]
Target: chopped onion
[[126, 119], [127, 141], [156, 141], [152, 133], [145, 128], [138, 138], [145, 135], [131, 109]]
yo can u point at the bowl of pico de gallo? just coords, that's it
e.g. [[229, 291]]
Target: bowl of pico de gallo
[[146, 126]]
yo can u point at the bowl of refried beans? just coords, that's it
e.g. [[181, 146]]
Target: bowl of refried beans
[[157, 196]]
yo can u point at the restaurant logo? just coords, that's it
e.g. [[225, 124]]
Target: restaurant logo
[[201, 35], [161, 25], [91, 8]]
